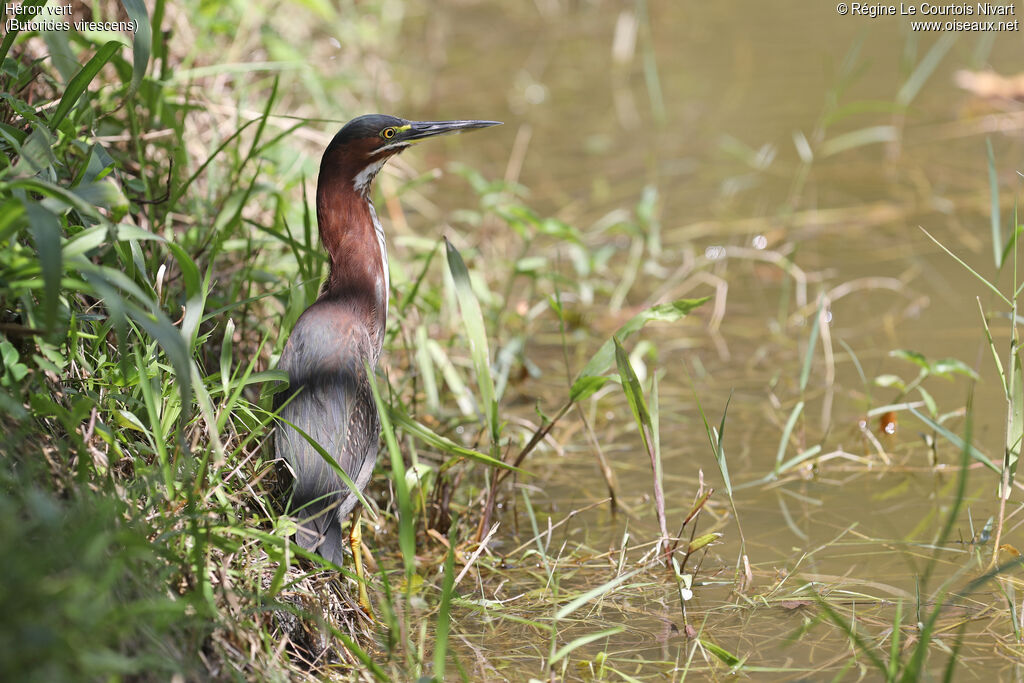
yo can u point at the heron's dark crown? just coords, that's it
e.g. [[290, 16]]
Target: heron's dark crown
[[364, 127]]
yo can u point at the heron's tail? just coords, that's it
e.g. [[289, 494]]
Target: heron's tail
[[320, 532]]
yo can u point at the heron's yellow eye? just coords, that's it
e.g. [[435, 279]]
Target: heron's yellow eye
[[387, 133]]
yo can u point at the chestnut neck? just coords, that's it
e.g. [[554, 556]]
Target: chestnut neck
[[350, 234]]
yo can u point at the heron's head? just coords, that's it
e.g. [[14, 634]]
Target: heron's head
[[366, 142]]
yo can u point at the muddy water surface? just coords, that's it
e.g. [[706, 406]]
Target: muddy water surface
[[736, 114]]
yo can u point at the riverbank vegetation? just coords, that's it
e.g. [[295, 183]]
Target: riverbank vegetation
[[158, 244]]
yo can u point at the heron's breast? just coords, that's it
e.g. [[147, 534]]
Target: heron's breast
[[329, 338]]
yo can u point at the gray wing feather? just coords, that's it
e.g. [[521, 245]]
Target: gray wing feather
[[329, 399]]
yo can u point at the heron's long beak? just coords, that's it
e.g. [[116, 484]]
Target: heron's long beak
[[420, 130]]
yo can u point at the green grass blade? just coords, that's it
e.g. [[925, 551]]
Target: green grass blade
[[28, 7], [953, 516], [642, 415], [955, 440], [954, 656], [81, 81], [594, 593], [894, 643], [45, 228], [473, 321], [996, 220], [152, 405], [973, 272], [794, 415], [1014, 424], [179, 192], [329, 459], [716, 439], [583, 640], [634, 392], [444, 617], [142, 41], [365, 659], [650, 64], [797, 459], [605, 356], [805, 370], [410, 426], [865, 648], [406, 528], [871, 135], [925, 68], [226, 355], [532, 516]]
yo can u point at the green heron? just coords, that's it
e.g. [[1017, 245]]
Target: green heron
[[337, 338]]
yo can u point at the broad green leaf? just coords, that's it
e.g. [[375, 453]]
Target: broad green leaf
[[35, 153], [929, 401], [913, 356], [702, 541], [585, 387], [720, 652], [11, 361], [948, 366], [189, 270], [890, 381], [104, 194]]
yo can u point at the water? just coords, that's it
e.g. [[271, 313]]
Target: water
[[712, 108]]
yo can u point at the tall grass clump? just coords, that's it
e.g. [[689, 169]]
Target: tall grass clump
[[98, 386], [139, 312]]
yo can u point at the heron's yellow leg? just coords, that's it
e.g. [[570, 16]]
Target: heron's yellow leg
[[355, 539]]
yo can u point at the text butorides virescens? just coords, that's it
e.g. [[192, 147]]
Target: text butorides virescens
[[337, 338]]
